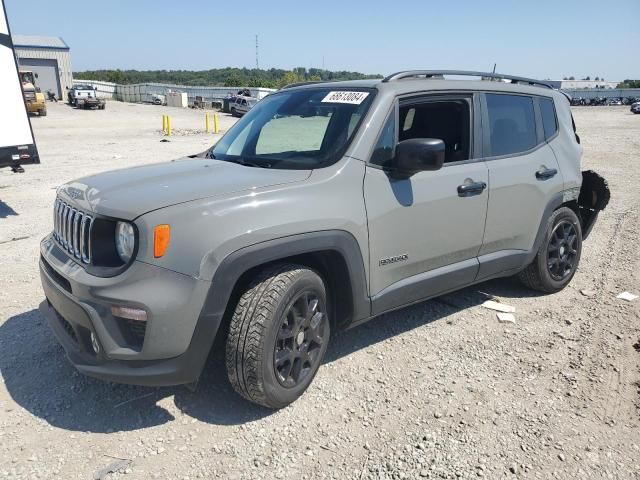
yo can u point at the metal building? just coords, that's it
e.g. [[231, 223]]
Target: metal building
[[49, 57]]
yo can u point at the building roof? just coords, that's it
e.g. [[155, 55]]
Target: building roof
[[38, 41]]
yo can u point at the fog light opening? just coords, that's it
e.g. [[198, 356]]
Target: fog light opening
[[94, 343], [129, 313]]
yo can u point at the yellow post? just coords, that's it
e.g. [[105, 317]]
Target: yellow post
[[206, 121], [216, 128], [164, 123], [168, 125]]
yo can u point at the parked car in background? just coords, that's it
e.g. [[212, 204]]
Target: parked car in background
[[78, 92], [242, 105], [158, 99], [614, 102], [635, 107], [85, 96]]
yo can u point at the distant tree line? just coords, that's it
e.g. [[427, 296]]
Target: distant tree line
[[629, 84], [227, 77]]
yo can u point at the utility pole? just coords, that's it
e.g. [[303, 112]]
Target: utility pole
[[257, 62]]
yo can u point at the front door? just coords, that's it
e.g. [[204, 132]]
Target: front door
[[425, 232]]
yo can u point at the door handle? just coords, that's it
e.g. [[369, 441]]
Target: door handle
[[546, 173], [470, 189]]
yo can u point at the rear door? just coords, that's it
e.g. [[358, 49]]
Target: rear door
[[523, 177], [17, 146], [425, 231]]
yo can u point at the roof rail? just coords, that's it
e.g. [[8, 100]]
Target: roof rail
[[440, 73], [300, 84]]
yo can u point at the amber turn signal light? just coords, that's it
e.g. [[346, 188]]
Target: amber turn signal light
[[161, 237]]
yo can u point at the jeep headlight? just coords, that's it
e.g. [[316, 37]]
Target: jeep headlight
[[125, 241]]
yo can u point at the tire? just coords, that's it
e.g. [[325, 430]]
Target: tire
[[557, 260], [278, 335], [42, 112], [234, 112]]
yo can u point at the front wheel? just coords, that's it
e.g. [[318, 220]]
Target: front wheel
[[278, 335], [557, 259]]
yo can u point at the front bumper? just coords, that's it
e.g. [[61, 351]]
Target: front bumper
[[77, 304]]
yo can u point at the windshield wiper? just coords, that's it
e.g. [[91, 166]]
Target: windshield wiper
[[247, 163]]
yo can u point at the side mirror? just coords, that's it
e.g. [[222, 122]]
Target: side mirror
[[37, 76], [417, 155]]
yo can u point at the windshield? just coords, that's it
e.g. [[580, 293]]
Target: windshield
[[297, 129]]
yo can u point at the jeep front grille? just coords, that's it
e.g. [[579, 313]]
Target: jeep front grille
[[72, 230]]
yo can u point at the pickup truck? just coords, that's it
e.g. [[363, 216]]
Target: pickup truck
[[84, 96]]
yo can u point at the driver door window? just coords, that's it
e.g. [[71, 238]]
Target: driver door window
[[447, 120]]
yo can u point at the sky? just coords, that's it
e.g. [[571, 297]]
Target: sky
[[542, 39]]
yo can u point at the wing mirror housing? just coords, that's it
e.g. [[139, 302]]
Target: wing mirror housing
[[418, 155]]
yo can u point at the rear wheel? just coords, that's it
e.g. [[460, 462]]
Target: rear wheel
[[278, 335], [557, 259], [42, 112]]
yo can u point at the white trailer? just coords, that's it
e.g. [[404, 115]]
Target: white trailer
[[17, 145]]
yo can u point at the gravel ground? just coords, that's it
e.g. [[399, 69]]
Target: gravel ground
[[437, 390]]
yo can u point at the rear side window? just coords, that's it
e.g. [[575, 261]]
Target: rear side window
[[549, 121], [512, 123]]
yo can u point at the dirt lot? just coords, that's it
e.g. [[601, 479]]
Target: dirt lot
[[441, 389]]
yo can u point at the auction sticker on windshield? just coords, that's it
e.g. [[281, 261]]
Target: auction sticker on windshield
[[355, 98]]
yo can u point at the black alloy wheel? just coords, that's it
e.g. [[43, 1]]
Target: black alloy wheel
[[278, 334], [558, 255], [562, 250], [300, 340]]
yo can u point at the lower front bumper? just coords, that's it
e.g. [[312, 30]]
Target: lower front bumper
[[73, 321], [172, 371]]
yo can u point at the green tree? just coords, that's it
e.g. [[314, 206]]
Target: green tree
[[233, 82], [228, 76], [629, 84], [289, 78]]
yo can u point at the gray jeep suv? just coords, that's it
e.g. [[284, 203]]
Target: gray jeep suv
[[326, 205]]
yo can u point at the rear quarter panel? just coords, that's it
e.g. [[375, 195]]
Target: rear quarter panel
[[568, 152]]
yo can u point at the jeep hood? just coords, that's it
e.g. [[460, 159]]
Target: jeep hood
[[132, 192]]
